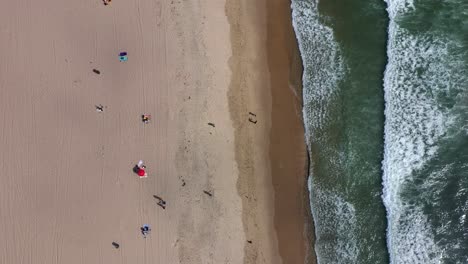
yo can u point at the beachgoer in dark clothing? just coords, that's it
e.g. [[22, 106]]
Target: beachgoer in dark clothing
[[145, 230], [99, 108], [161, 202]]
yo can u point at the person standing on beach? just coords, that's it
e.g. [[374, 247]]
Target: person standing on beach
[[161, 202], [145, 230]]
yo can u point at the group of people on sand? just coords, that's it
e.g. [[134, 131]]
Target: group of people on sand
[[140, 170], [140, 167]]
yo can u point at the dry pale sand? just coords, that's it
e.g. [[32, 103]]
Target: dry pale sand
[[67, 189]]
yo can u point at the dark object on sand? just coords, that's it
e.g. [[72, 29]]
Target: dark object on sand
[[140, 170], [96, 71], [145, 118], [145, 230], [115, 245], [161, 202], [99, 108], [123, 56], [211, 124], [251, 120], [208, 193], [249, 241]]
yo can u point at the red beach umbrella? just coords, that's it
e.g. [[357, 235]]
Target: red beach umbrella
[[141, 172]]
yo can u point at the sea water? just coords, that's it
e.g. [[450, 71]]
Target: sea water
[[425, 176], [343, 46], [385, 111]]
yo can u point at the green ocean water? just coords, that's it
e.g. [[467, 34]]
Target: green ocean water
[[347, 145], [426, 137], [386, 117]]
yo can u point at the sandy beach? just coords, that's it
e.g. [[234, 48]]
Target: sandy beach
[[235, 189]]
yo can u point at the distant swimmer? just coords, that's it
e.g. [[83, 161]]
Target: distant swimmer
[[96, 71], [140, 169]]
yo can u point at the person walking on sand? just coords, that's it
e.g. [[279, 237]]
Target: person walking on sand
[[161, 202]]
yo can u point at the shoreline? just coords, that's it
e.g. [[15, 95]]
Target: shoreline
[[248, 67], [288, 138], [268, 47]]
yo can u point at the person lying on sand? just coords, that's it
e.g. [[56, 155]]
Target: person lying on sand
[[140, 169], [145, 118], [99, 108]]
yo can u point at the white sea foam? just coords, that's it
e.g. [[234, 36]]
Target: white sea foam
[[396, 7], [341, 225], [323, 66], [323, 69], [419, 70]]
